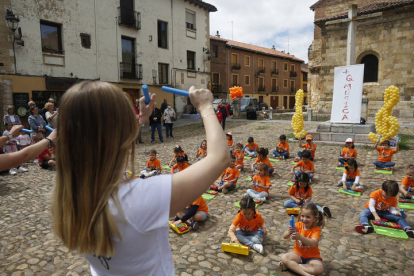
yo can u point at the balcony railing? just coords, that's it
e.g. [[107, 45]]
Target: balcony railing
[[261, 70], [129, 18], [275, 89], [293, 74], [235, 66], [235, 84], [262, 88], [190, 26], [274, 72], [130, 70], [215, 88], [292, 90]]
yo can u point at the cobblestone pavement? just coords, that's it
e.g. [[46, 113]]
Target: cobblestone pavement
[[28, 246]]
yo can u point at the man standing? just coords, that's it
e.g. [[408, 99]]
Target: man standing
[[155, 123], [164, 106], [31, 103]]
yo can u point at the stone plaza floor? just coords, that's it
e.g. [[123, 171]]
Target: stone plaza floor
[[28, 246]]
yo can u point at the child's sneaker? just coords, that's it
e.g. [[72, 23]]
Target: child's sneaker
[[21, 170], [11, 172], [194, 225], [364, 229], [258, 248], [326, 211], [297, 159], [410, 233], [262, 199]]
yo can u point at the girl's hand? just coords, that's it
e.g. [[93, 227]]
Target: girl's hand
[[202, 99], [344, 187], [235, 241], [290, 230], [377, 218], [264, 232], [146, 110], [297, 201], [176, 222], [295, 236]]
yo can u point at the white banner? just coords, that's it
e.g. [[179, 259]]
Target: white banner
[[347, 95]]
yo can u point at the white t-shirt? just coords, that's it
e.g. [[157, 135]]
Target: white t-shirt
[[23, 140], [144, 249]]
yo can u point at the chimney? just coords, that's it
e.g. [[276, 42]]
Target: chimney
[[218, 35], [273, 48]]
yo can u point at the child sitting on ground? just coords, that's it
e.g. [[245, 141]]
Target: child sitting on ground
[[385, 155], [230, 141], [228, 179], [260, 183], [408, 182], [202, 151], [251, 147], [305, 165], [194, 213], [383, 204], [309, 145], [239, 154], [153, 165], [245, 227], [301, 193], [178, 151], [305, 258], [282, 149], [23, 140], [350, 177], [47, 158], [181, 164], [347, 153], [262, 158]]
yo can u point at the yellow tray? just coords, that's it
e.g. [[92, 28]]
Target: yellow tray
[[293, 211], [235, 248], [177, 228]]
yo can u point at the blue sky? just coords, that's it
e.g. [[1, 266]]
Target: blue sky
[[266, 23]]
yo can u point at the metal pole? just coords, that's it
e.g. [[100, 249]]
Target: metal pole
[[14, 55]]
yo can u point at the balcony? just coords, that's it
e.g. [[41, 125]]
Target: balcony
[[130, 70], [235, 84], [274, 72], [293, 74], [262, 89], [235, 67], [261, 70], [292, 90], [275, 89], [215, 88], [129, 18]]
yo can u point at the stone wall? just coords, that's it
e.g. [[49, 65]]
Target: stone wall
[[389, 35]]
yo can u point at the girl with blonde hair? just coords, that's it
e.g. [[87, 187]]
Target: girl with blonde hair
[[121, 226]]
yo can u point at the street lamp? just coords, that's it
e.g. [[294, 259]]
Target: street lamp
[[13, 24]]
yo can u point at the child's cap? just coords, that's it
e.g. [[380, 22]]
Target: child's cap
[[349, 140], [309, 137], [229, 133]]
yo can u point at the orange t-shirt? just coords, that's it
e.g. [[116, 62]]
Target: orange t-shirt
[[382, 204], [230, 143], [352, 175], [201, 203], [180, 168], [305, 166], [385, 155], [254, 146], [285, 146], [300, 194], [230, 174], [262, 181], [248, 225], [266, 160], [202, 153], [309, 147], [407, 183], [239, 158], [155, 164], [304, 251], [175, 155], [349, 152]]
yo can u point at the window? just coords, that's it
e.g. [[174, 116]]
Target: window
[[261, 84], [274, 68], [86, 40], [190, 60], [162, 34], [305, 76], [247, 80], [127, 14], [285, 66], [51, 34], [285, 83], [292, 68], [274, 85], [292, 87], [235, 80], [163, 73], [190, 20], [234, 59], [247, 60], [261, 63], [215, 51], [370, 68], [128, 68]]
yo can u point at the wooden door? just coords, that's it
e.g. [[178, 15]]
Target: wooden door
[[291, 102], [274, 102], [285, 102]]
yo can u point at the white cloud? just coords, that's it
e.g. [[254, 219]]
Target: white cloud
[[266, 23]]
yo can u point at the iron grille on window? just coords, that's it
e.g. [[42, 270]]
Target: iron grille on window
[[190, 26], [129, 18], [261, 88], [293, 74], [130, 70]]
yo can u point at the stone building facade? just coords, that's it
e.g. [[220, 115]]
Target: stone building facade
[[126, 42], [385, 36], [272, 76]]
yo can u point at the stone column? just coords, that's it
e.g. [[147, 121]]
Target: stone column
[[236, 109], [364, 108]]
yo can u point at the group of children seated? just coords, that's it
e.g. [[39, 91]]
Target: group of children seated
[[248, 227]]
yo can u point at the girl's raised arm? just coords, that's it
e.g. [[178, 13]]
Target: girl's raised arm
[[184, 189]]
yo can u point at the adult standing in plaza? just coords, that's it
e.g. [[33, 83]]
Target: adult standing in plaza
[[30, 104], [164, 106], [224, 109], [43, 111], [10, 117], [37, 124], [121, 226], [51, 115], [155, 123], [169, 118]]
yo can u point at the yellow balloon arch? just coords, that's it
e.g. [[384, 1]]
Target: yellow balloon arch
[[297, 119]]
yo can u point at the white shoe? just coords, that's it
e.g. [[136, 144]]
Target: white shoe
[[11, 172], [36, 161], [21, 170], [258, 248], [262, 199]]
